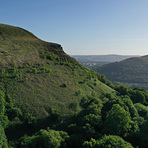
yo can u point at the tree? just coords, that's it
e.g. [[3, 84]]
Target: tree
[[3, 140], [133, 111], [122, 89], [2, 103], [74, 106], [107, 142], [88, 131], [94, 120], [137, 96], [144, 134], [118, 122], [45, 138], [95, 106], [142, 109], [54, 115], [13, 112]]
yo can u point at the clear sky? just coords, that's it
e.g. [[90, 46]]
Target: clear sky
[[83, 27]]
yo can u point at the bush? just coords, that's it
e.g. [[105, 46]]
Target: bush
[[54, 115], [142, 109], [107, 142], [3, 140], [74, 106], [2, 103], [13, 112], [45, 138], [29, 119], [118, 122]]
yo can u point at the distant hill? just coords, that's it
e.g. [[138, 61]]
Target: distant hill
[[133, 70], [101, 58], [95, 61]]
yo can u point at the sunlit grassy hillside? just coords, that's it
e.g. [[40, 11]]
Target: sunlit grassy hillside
[[39, 75]]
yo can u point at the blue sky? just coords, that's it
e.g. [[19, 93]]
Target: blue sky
[[83, 27]]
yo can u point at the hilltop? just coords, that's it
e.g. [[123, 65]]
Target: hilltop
[[133, 70], [20, 46]]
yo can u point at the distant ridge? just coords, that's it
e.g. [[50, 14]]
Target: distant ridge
[[102, 58], [133, 70]]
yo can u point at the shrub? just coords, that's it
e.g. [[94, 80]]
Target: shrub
[[45, 138], [54, 115], [107, 142], [13, 112]]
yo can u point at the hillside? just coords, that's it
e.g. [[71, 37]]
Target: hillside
[[49, 100], [39, 75], [132, 70]]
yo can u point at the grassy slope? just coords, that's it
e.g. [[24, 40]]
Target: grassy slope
[[38, 83]]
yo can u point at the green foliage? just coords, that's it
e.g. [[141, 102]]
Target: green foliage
[[88, 130], [45, 138], [2, 103], [109, 103], [94, 120], [78, 93], [142, 109], [3, 140], [9, 103], [48, 55], [74, 106], [107, 142], [29, 119], [138, 96], [122, 89], [132, 109], [93, 105], [34, 70], [54, 115], [139, 120], [118, 122], [103, 79], [84, 102], [13, 112], [144, 134], [4, 120]]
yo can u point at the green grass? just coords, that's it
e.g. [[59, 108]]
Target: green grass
[[43, 91], [39, 75]]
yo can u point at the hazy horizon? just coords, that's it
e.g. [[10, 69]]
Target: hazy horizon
[[101, 55]]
